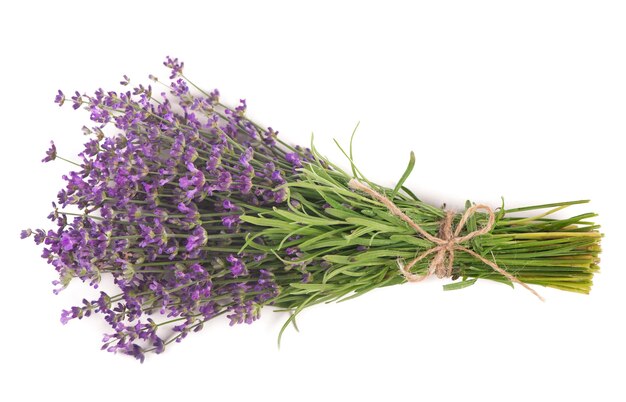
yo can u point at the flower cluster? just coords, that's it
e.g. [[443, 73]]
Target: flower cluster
[[157, 206], [195, 211]]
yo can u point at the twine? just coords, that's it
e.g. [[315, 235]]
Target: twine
[[446, 244]]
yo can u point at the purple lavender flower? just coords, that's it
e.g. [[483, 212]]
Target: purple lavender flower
[[245, 184], [214, 97], [59, 98], [247, 312], [197, 239], [77, 100], [230, 221], [292, 251], [280, 196], [67, 241], [246, 157], [174, 65], [40, 236], [228, 205], [179, 88], [162, 203], [294, 159], [215, 158], [241, 108], [66, 316], [185, 182], [91, 148], [237, 267], [51, 153], [277, 177], [224, 181]]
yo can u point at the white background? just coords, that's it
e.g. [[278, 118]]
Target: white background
[[524, 100]]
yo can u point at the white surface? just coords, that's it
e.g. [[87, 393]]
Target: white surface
[[520, 99]]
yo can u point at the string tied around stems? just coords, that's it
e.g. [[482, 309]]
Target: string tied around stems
[[447, 244]]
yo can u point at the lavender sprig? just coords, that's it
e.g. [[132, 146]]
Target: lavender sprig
[[196, 211]]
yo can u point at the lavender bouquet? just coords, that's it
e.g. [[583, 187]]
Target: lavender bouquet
[[195, 211]]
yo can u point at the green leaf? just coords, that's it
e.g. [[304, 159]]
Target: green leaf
[[312, 287], [292, 317], [292, 233], [373, 224], [343, 270], [410, 193], [341, 213], [275, 223], [305, 219], [314, 240], [331, 201], [414, 240], [338, 259], [351, 155], [358, 233], [460, 284], [472, 225], [355, 170], [405, 176]]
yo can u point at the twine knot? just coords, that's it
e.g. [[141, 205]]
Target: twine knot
[[448, 242]]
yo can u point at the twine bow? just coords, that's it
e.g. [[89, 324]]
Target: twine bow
[[446, 244]]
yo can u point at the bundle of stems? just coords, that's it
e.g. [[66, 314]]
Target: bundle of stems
[[196, 211]]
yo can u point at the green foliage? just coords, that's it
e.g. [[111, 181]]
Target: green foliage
[[350, 243]]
